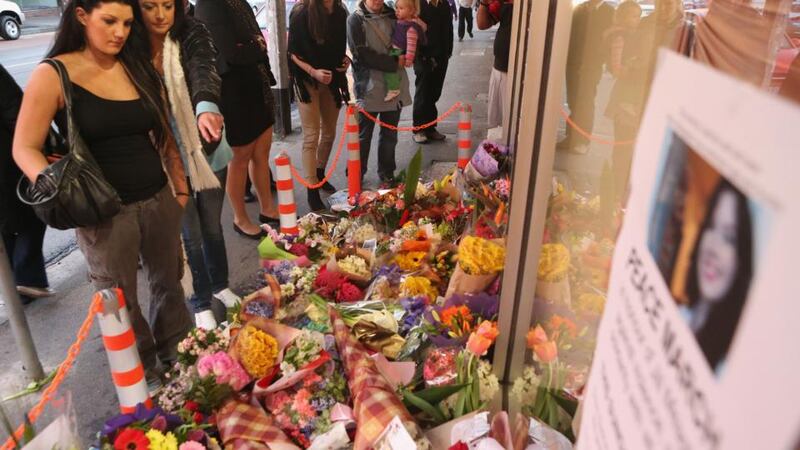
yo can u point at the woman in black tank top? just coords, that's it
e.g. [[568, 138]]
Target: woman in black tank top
[[120, 113]]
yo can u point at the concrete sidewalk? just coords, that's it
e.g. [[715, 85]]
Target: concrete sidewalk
[[54, 321]]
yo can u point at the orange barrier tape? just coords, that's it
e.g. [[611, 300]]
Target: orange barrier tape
[[417, 128], [61, 373], [590, 136]]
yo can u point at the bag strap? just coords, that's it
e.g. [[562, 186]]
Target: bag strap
[[66, 89], [381, 35]]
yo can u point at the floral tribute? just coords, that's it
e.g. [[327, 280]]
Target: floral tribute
[[382, 318]]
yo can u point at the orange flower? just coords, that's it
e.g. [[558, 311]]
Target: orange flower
[[556, 323], [536, 336], [482, 338], [546, 351], [457, 318]]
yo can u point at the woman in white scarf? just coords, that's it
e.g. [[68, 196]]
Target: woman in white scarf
[[183, 53]]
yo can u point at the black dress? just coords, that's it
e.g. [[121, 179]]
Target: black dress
[[247, 103]]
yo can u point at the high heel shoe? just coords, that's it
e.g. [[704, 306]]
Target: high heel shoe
[[256, 236]]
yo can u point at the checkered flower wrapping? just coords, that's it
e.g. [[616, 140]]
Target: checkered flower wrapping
[[243, 426], [375, 403]]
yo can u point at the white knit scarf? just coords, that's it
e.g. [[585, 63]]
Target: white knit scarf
[[200, 173]]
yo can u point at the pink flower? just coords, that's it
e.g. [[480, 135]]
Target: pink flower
[[299, 249], [224, 369], [192, 445], [349, 292]]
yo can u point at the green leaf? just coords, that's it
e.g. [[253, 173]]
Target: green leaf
[[438, 394], [411, 399], [412, 178], [460, 404]]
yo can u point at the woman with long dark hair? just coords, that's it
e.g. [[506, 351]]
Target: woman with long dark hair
[[720, 272], [317, 62], [247, 104], [119, 110], [183, 53]]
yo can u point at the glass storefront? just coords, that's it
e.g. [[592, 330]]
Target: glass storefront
[[582, 75]]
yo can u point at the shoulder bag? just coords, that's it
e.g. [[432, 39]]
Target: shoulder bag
[[72, 192]]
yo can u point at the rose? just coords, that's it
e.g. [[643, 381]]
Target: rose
[[192, 445], [460, 445], [546, 352], [482, 338], [536, 336], [349, 292], [224, 369]]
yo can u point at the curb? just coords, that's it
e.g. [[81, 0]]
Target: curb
[[38, 30]]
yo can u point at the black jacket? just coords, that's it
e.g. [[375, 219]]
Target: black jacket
[[320, 55], [439, 19], [236, 35], [199, 59]]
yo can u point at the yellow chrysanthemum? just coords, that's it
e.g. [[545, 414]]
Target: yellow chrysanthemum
[[409, 261], [553, 263], [414, 286], [258, 351], [478, 256], [159, 441]]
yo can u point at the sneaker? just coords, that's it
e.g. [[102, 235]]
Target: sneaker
[[205, 320], [420, 138], [35, 292], [228, 298], [434, 135], [391, 95]]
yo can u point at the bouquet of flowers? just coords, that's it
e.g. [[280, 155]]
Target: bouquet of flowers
[[487, 161], [450, 325], [418, 286], [553, 280], [303, 411], [153, 428], [201, 342], [335, 286], [375, 403], [479, 262]]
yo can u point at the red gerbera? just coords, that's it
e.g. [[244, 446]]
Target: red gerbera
[[131, 439], [349, 292], [327, 283], [460, 445]]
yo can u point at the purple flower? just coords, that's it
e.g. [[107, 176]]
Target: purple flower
[[282, 271], [392, 273], [415, 307], [141, 414], [260, 309]]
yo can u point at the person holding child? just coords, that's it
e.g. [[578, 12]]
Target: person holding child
[[369, 31], [408, 32]]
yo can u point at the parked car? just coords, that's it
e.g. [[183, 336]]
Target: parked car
[[11, 20]]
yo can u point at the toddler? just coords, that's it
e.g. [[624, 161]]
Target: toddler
[[408, 32]]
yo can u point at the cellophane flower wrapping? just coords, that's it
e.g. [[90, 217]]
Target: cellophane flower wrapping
[[243, 425], [375, 402]]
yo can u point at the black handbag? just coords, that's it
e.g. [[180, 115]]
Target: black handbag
[[72, 192]]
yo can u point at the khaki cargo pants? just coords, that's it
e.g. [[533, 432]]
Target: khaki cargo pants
[[150, 229]]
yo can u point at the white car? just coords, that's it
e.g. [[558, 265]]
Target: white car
[[11, 20]]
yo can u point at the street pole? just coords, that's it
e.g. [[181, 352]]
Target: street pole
[[16, 316], [278, 61]]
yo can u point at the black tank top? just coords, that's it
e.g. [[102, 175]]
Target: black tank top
[[117, 133]]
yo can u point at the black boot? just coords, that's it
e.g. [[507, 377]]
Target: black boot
[[327, 187], [314, 201]]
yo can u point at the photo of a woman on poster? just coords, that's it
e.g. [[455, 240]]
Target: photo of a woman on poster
[[720, 272]]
